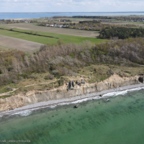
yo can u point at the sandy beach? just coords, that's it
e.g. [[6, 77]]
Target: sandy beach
[[27, 110]]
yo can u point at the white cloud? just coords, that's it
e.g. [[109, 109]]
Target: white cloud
[[70, 5]]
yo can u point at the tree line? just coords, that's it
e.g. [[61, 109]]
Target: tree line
[[121, 32]]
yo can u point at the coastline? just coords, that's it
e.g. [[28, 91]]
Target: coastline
[[27, 110], [35, 15]]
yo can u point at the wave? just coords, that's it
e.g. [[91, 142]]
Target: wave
[[80, 101], [110, 94], [53, 106], [93, 96], [117, 92], [122, 92], [24, 113]]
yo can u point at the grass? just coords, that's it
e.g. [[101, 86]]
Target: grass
[[47, 38], [35, 82], [97, 73], [92, 74], [63, 31]]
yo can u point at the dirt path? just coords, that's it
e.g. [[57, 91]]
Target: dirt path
[[19, 44]]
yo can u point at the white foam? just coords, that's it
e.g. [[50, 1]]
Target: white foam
[[95, 98], [109, 94], [136, 89], [116, 93], [64, 103], [24, 113], [123, 92], [92, 97], [53, 106], [80, 101]]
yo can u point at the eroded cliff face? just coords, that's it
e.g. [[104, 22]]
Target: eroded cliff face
[[32, 97]]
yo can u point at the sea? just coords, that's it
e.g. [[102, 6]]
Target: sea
[[29, 15], [119, 120]]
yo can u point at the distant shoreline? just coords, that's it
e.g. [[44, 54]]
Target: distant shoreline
[[32, 15], [26, 110]]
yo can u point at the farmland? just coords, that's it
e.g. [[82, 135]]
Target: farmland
[[45, 37], [71, 32], [8, 43]]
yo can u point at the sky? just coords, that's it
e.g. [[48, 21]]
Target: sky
[[71, 5]]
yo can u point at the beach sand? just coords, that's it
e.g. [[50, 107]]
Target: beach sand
[[26, 110]]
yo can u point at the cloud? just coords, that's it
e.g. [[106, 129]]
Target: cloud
[[70, 5]]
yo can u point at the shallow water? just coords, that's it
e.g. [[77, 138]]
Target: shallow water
[[119, 121]]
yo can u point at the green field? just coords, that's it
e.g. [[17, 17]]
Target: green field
[[47, 38]]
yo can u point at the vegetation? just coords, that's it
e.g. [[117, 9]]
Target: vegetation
[[82, 25], [124, 57], [92, 23], [121, 32], [46, 38], [65, 57], [120, 18]]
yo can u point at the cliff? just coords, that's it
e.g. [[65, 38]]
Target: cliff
[[32, 97]]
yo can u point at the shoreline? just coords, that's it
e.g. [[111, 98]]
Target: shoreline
[[27, 110]]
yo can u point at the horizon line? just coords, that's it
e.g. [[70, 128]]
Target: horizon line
[[79, 12]]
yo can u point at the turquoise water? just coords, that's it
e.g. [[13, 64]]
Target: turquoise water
[[119, 121]]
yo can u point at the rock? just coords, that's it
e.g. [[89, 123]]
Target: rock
[[100, 95], [75, 106], [141, 79]]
